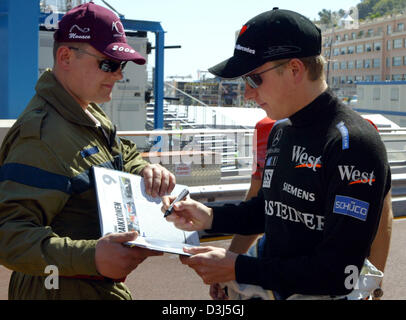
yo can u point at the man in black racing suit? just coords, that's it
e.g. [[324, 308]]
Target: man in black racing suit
[[325, 177]]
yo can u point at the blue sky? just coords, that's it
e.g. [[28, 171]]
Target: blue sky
[[206, 28]]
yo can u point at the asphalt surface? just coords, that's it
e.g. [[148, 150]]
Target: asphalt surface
[[165, 278]]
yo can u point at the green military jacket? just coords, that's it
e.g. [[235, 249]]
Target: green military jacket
[[48, 207]]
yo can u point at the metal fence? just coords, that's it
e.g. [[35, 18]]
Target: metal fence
[[216, 164]]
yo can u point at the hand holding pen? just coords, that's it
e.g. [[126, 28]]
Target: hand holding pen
[[180, 197], [188, 215]]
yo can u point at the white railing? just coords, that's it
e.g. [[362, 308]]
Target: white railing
[[228, 170]]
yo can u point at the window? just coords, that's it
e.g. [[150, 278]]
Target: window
[[396, 77], [343, 65], [368, 47], [376, 63], [397, 43], [367, 63], [343, 50], [370, 32], [359, 64], [360, 93], [350, 65], [400, 27], [376, 94], [346, 37], [351, 50], [336, 51], [335, 66], [397, 61], [394, 94], [388, 29], [360, 48], [389, 45], [376, 77], [377, 46]]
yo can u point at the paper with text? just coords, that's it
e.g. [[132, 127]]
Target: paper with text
[[125, 206]]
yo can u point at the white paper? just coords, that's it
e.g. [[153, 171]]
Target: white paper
[[125, 206]]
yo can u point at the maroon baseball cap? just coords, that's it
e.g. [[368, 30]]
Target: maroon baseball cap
[[99, 27]]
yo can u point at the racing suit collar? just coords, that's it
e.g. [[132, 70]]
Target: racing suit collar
[[52, 91], [314, 111]]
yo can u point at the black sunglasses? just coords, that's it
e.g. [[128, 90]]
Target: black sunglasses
[[105, 65], [255, 80]]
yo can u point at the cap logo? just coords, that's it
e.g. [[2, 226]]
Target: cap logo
[[245, 49], [118, 27], [243, 29], [75, 26], [74, 35], [279, 50]]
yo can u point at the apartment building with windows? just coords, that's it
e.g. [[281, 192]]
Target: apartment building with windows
[[373, 50]]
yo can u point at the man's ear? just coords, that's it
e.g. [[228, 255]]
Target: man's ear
[[297, 69], [64, 57]]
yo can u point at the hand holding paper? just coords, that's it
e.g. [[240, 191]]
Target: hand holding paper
[[212, 264], [115, 261], [158, 180]]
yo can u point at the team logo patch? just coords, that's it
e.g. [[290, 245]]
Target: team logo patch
[[277, 137], [243, 29], [344, 135], [303, 160], [272, 161], [267, 178], [351, 207], [355, 176]]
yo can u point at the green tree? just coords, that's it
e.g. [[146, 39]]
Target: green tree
[[365, 8], [330, 18], [325, 17], [388, 6]]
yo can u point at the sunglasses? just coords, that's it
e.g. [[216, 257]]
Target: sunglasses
[[105, 65], [254, 80]]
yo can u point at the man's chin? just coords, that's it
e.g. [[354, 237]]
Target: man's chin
[[103, 100]]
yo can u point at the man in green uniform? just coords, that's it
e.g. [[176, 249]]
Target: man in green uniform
[[48, 206]]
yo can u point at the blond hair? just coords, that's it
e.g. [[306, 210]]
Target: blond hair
[[314, 65]]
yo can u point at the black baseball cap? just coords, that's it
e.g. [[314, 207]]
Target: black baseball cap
[[272, 35]]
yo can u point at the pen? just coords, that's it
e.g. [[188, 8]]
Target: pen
[[180, 197]]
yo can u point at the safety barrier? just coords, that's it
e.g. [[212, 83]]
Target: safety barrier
[[235, 178]]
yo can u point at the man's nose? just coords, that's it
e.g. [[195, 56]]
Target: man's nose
[[249, 93], [118, 74]]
